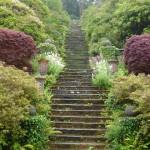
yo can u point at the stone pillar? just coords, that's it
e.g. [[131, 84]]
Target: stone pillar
[[43, 66], [113, 65], [41, 81]]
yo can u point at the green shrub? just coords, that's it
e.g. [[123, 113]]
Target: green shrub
[[104, 48], [147, 30], [116, 20], [38, 130], [47, 47], [17, 91], [129, 132], [102, 78], [109, 52], [121, 130], [21, 100], [35, 18], [16, 15], [132, 90]]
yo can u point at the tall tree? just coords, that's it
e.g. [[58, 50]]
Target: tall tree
[[72, 7]]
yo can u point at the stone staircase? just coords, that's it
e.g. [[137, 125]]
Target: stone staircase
[[78, 106]]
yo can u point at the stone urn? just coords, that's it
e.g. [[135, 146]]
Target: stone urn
[[113, 65], [41, 81], [43, 66]]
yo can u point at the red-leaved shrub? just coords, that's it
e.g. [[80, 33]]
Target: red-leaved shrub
[[137, 54], [16, 48]]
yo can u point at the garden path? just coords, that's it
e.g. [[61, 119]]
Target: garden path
[[77, 106]]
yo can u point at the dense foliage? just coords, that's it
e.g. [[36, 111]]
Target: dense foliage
[[102, 78], [16, 15], [129, 103], [39, 18], [72, 7], [116, 20], [24, 110], [16, 48], [137, 54]]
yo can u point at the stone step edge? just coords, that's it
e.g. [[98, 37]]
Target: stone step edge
[[77, 136], [82, 123], [80, 129], [100, 105], [82, 117], [79, 144], [78, 99], [63, 110]]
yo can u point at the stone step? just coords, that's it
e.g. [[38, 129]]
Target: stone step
[[60, 124], [76, 59], [77, 146], [74, 80], [77, 138], [73, 83], [76, 112], [76, 73], [76, 55], [76, 66], [63, 91], [75, 87], [82, 63], [78, 109], [70, 62], [79, 95], [73, 75], [77, 106], [83, 131], [70, 53], [78, 101], [78, 70], [78, 52], [57, 118], [76, 76]]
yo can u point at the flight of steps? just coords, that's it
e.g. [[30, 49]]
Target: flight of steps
[[77, 106]]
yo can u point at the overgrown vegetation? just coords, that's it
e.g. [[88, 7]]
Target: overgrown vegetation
[[128, 103], [116, 20], [106, 31], [24, 120], [24, 108], [39, 18], [102, 77]]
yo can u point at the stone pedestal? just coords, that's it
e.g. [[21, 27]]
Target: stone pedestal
[[113, 65], [41, 81], [43, 66]]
